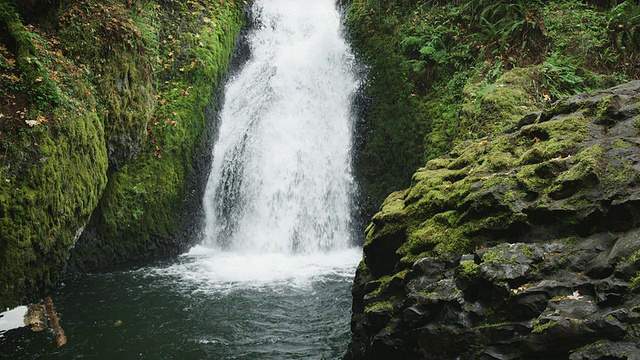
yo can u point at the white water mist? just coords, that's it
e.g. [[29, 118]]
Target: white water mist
[[281, 178]]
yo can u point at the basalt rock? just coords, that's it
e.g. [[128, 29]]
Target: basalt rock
[[525, 245]]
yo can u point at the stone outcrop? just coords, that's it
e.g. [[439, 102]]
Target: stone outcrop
[[107, 112], [525, 245]]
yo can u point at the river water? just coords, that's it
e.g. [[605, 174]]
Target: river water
[[271, 278], [296, 307]]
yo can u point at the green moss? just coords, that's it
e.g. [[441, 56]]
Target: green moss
[[141, 201], [362, 266], [394, 204], [601, 346], [543, 327], [32, 61], [133, 77], [587, 170], [439, 233], [72, 99], [496, 325], [385, 280], [468, 269], [496, 255], [440, 75], [499, 105], [393, 148], [119, 64], [535, 178], [634, 282], [589, 162], [618, 173], [380, 306], [53, 173], [619, 143], [437, 163], [635, 256]]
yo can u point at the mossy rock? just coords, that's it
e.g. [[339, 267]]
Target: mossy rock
[[124, 91], [53, 167], [494, 108], [151, 204], [535, 217], [440, 75]]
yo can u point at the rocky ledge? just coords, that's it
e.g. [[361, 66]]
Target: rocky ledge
[[526, 245]]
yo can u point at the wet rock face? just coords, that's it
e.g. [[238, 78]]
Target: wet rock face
[[526, 245]]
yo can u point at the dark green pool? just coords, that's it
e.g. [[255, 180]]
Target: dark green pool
[[252, 307]]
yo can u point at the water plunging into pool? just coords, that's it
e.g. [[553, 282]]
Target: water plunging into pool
[[281, 179], [271, 278]]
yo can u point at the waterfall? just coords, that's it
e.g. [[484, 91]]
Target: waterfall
[[281, 177]]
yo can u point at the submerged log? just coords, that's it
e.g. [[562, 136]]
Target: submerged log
[[61, 338]]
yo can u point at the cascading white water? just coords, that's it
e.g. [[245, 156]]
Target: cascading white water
[[280, 180], [272, 279]]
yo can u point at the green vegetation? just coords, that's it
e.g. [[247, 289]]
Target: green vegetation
[[480, 188], [380, 306], [103, 107], [634, 283], [442, 72], [386, 280], [543, 327], [468, 269], [496, 325], [53, 158], [141, 201]]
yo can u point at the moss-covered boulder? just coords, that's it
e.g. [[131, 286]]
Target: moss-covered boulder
[[521, 245]]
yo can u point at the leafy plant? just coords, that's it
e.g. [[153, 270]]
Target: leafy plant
[[624, 27], [505, 24], [560, 76]]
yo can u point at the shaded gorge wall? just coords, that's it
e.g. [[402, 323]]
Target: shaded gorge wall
[[115, 102]]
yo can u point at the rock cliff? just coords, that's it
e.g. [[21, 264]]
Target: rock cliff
[[521, 245], [106, 111]]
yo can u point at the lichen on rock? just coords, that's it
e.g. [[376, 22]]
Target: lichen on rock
[[520, 245]]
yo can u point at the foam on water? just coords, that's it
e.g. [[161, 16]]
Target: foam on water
[[12, 319], [212, 270]]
